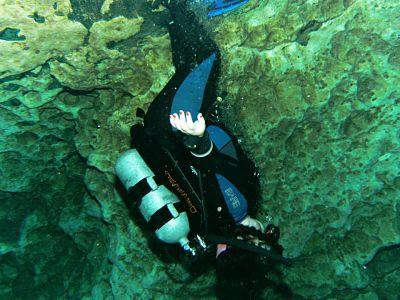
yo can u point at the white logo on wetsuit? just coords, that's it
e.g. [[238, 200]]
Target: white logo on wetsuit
[[233, 199]]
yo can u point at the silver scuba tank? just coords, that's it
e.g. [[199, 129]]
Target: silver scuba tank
[[131, 169]]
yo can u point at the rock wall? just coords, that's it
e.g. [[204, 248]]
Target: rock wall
[[312, 91], [72, 74]]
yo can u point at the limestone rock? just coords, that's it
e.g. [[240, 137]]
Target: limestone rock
[[68, 96], [48, 232], [107, 62], [36, 88], [105, 8], [312, 91], [31, 33]]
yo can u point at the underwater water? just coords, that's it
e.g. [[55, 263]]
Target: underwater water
[[310, 90]]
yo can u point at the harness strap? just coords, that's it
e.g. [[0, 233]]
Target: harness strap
[[142, 188], [163, 215]]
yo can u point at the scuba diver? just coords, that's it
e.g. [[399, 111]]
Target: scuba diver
[[190, 179]]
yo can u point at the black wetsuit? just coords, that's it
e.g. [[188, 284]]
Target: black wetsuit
[[191, 46], [193, 179]]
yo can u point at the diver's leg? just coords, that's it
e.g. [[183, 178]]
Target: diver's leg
[[190, 43], [190, 47]]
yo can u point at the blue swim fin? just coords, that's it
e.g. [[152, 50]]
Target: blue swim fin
[[189, 95], [234, 199], [220, 7], [222, 141]]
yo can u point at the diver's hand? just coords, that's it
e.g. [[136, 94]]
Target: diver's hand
[[250, 222], [184, 123]]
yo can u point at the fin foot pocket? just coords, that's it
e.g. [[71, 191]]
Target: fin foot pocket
[[222, 141]]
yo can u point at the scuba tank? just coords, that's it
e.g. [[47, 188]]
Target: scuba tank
[[161, 208], [167, 213]]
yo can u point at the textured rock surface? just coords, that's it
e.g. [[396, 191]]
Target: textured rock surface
[[312, 89], [40, 32], [47, 242], [69, 89]]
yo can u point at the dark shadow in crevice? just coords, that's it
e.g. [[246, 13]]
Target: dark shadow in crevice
[[11, 35], [38, 18], [303, 35]]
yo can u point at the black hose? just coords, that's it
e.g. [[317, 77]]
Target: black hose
[[268, 253]]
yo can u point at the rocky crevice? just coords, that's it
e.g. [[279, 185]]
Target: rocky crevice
[[309, 88]]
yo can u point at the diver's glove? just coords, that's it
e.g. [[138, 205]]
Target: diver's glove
[[269, 234], [195, 136], [250, 222]]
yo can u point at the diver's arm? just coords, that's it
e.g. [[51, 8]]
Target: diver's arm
[[198, 146], [195, 137]]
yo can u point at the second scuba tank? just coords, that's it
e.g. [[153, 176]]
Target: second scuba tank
[[161, 208]]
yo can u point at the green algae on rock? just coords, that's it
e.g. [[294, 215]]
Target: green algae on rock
[[102, 57], [313, 93], [54, 37], [67, 100], [105, 8]]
